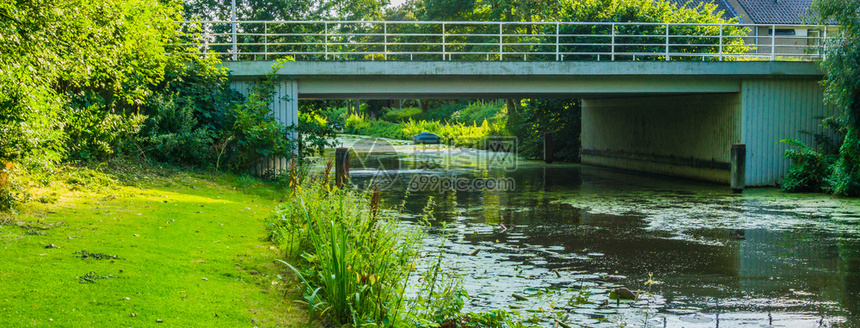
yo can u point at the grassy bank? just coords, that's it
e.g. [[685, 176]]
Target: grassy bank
[[190, 251]]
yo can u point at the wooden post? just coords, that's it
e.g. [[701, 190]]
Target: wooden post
[[547, 147], [739, 154], [341, 166]]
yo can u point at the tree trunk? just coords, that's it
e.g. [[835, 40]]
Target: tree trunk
[[512, 106]]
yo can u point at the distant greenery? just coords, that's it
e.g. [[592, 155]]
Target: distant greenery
[[831, 170], [561, 117], [453, 133]]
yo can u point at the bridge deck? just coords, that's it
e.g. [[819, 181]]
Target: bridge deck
[[392, 80]]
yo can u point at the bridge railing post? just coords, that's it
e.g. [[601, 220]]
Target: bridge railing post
[[667, 42], [824, 44], [613, 41], [233, 23], [443, 42], [773, 42], [557, 52], [721, 43], [385, 31], [501, 42], [326, 40], [266, 40]]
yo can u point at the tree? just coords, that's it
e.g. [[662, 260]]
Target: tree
[[67, 62], [842, 88]]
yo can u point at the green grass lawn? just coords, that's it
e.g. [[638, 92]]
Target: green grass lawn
[[191, 247]]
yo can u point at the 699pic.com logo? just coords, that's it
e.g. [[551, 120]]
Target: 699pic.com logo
[[376, 163]]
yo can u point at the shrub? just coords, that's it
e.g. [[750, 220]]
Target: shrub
[[257, 134], [809, 168], [360, 124], [401, 115], [173, 134], [844, 179], [477, 112]]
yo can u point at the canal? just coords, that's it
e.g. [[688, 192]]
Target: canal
[[563, 236]]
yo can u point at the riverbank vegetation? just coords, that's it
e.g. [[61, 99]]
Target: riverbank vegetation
[[828, 166]]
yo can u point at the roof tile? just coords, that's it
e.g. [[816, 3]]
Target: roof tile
[[776, 11]]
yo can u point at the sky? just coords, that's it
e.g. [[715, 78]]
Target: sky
[[395, 3]]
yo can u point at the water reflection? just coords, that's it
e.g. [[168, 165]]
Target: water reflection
[[722, 259]]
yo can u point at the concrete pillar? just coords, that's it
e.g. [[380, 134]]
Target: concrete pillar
[[738, 162]]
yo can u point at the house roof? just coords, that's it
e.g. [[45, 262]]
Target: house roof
[[722, 5], [776, 11]]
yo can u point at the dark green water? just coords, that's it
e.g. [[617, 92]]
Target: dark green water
[[700, 255]]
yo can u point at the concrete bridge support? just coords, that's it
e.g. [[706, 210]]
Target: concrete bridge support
[[285, 109], [691, 135]]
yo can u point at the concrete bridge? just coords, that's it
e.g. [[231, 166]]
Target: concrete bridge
[[664, 117]]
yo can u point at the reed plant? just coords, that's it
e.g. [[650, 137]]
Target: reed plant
[[354, 261]]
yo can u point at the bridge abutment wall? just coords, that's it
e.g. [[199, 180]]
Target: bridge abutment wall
[[285, 109], [687, 136], [775, 109], [690, 136]]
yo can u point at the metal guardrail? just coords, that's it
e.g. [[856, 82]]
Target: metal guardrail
[[502, 41]]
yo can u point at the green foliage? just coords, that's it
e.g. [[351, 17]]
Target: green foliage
[[94, 133], [457, 134], [809, 168], [354, 261], [842, 76], [561, 117], [53, 53], [172, 133], [401, 115], [257, 134], [477, 112], [440, 296], [845, 177], [11, 191], [842, 89], [360, 124]]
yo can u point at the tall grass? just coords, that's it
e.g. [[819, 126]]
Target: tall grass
[[353, 261]]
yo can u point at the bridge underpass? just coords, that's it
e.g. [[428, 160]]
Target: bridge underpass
[[672, 118]]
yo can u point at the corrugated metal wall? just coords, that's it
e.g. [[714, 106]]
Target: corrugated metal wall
[[285, 108], [774, 110], [651, 133]]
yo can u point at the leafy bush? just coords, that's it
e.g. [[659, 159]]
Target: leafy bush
[[256, 133], [477, 112], [844, 179], [457, 134], [11, 191], [172, 133], [335, 116], [94, 133], [809, 168], [315, 134], [401, 115], [359, 124]]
